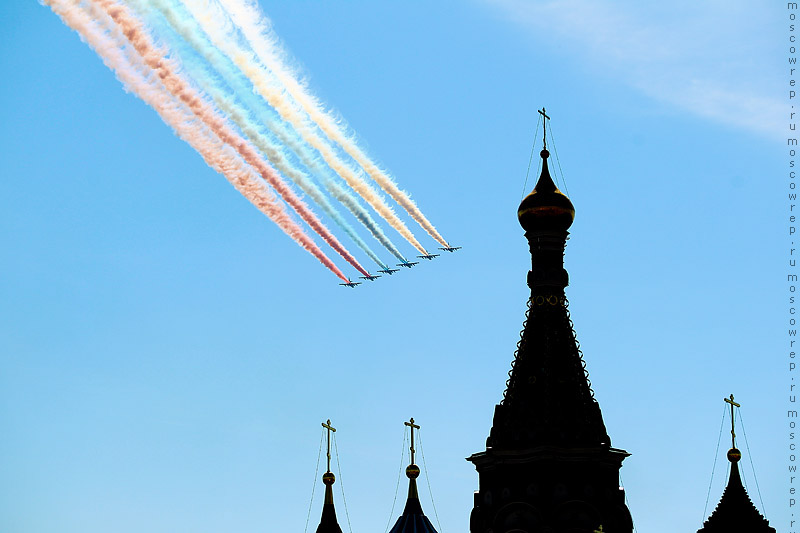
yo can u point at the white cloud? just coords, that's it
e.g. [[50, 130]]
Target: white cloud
[[713, 59]]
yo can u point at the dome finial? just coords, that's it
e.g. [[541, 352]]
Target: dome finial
[[412, 470], [328, 477], [409, 470], [733, 454], [543, 112], [546, 208]]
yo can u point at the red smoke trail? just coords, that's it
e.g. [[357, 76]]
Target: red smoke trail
[[154, 58], [218, 155]]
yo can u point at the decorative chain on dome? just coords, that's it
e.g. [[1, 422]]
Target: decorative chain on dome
[[578, 347], [516, 352]]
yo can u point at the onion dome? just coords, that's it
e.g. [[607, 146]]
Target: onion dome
[[328, 522], [413, 520], [546, 208], [735, 511]]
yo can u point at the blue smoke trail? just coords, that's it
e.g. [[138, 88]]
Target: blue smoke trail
[[218, 68], [225, 101]]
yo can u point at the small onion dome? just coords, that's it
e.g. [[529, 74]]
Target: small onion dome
[[412, 471], [546, 208], [328, 478], [734, 455]]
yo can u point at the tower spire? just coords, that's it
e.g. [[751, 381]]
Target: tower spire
[[548, 463], [548, 399], [413, 520], [735, 511], [328, 522]]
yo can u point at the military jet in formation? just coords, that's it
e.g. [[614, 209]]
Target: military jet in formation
[[450, 249], [404, 263]]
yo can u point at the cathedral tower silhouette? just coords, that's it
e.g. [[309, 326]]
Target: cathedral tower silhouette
[[548, 464], [735, 512]]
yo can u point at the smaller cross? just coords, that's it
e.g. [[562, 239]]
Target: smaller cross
[[413, 426], [733, 404], [543, 112], [327, 425]]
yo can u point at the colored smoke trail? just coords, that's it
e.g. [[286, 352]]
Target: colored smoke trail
[[219, 156], [188, 33], [165, 69], [257, 30], [222, 37]]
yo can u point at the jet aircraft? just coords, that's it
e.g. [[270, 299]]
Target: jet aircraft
[[450, 249], [351, 284], [407, 264], [389, 271], [369, 277], [429, 257]]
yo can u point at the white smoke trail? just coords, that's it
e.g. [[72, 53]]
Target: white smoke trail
[[213, 23], [135, 78], [214, 77], [180, 88], [258, 31]]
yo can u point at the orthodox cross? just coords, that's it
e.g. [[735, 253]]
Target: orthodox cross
[[542, 112], [327, 425], [413, 426], [733, 404]]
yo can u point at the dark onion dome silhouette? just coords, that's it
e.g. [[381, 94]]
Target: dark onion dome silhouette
[[328, 522], [546, 207], [548, 463], [413, 520], [735, 512]]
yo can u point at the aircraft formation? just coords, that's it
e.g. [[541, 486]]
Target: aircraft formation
[[405, 264], [217, 74]]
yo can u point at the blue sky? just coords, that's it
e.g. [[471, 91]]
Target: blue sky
[[168, 354]]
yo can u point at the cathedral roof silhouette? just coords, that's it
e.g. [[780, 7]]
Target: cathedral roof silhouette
[[413, 520], [328, 522], [548, 464], [735, 512]]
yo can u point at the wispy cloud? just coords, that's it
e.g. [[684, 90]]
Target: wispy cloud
[[712, 59]]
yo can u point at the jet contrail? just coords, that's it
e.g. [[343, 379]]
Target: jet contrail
[[265, 85], [257, 30], [156, 59], [221, 157], [217, 66]]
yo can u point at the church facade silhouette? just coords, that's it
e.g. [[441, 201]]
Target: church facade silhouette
[[548, 465]]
